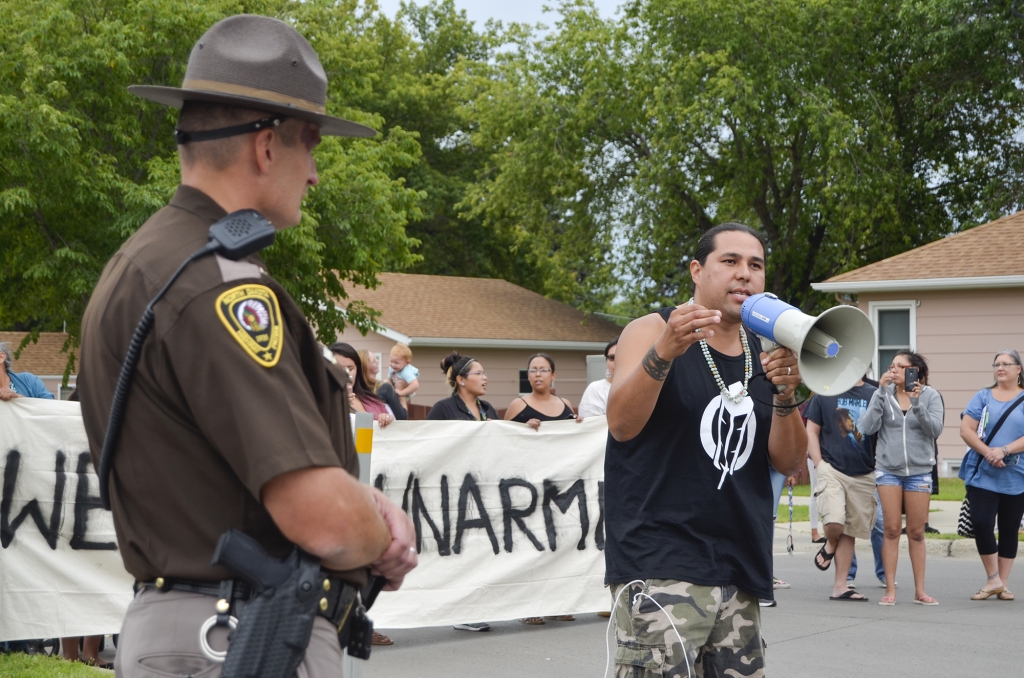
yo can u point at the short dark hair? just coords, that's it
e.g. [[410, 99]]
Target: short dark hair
[[551, 361], [200, 116], [918, 361], [706, 244], [609, 346]]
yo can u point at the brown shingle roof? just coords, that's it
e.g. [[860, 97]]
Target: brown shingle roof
[[42, 358], [991, 249], [477, 308]]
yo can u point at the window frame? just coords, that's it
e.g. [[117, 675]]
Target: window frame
[[894, 305]]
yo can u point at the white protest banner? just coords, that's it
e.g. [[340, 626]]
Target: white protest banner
[[510, 521], [60, 572]]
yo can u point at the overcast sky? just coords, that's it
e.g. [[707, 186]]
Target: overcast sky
[[522, 11]]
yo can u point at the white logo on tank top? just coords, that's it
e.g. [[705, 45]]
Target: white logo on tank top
[[727, 432]]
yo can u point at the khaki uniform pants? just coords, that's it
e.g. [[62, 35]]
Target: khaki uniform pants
[[720, 625], [160, 639]]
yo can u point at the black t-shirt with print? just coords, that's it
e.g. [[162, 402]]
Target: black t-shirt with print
[[843, 445], [689, 498]]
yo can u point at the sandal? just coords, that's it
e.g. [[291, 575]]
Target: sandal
[[887, 600], [1006, 594], [381, 639], [825, 556], [562, 617], [925, 600], [985, 594], [849, 595], [533, 621]]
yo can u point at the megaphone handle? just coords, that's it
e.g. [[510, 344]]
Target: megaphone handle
[[767, 345]]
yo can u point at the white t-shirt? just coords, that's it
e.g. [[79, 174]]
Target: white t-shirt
[[595, 399]]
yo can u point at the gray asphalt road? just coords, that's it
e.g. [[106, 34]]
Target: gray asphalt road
[[808, 635]]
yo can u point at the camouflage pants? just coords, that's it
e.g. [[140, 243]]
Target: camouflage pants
[[720, 625]]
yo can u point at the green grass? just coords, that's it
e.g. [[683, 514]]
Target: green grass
[[950, 489], [19, 665], [801, 514]]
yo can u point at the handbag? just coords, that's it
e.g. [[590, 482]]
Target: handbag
[[964, 524]]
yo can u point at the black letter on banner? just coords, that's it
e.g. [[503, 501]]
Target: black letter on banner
[[85, 502], [405, 495], [599, 529], [444, 540], [468, 488], [8, 528], [509, 514], [563, 502]]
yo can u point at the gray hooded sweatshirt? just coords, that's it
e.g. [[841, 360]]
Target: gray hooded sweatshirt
[[906, 444]]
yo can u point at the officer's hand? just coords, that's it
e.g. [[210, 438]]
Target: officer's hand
[[400, 557]]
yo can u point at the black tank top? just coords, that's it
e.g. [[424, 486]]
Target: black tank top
[[529, 413], [689, 498]]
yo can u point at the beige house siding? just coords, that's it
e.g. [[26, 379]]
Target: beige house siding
[[958, 333], [502, 367]]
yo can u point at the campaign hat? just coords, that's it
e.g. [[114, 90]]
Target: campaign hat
[[260, 63]]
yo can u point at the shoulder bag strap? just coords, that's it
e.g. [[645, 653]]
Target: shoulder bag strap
[[1006, 413]]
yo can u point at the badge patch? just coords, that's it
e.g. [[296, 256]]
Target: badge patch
[[253, 317]]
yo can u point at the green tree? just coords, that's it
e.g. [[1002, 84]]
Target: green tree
[[83, 163]]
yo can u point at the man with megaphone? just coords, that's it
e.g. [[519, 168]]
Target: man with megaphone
[[697, 414]]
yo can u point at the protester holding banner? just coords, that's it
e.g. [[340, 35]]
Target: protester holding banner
[[694, 427], [361, 397], [468, 382], [543, 404], [594, 402], [18, 384], [234, 418]]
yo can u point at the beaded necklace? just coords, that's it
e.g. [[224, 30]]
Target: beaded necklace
[[748, 368]]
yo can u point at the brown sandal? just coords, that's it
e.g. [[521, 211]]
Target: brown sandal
[[1006, 594], [562, 617], [533, 621], [985, 594], [381, 639]]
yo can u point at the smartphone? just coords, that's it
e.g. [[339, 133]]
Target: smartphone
[[910, 379]]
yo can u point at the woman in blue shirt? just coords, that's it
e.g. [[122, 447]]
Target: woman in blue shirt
[[993, 474]]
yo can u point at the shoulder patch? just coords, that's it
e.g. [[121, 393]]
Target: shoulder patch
[[253, 317]]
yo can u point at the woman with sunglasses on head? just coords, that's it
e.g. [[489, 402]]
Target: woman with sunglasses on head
[[992, 472], [382, 389], [543, 405], [907, 424]]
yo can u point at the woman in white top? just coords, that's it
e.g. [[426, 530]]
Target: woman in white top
[[595, 398]]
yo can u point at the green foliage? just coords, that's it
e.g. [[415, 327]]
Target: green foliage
[[83, 163]]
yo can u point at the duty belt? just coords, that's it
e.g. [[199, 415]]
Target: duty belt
[[337, 602]]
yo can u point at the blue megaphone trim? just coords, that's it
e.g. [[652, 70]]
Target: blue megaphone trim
[[760, 311]]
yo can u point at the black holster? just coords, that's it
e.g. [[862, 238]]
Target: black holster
[[275, 626]]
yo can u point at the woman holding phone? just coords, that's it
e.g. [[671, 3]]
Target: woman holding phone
[[907, 415], [993, 427]]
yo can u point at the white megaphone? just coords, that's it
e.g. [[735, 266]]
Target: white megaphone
[[833, 350]]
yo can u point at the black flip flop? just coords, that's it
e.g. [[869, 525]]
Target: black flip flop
[[826, 556], [819, 540], [849, 595]]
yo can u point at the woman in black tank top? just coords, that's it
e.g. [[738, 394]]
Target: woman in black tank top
[[543, 405], [546, 406]]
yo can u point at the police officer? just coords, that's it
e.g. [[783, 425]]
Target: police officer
[[234, 418]]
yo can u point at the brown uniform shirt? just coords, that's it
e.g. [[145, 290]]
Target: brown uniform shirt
[[231, 390]]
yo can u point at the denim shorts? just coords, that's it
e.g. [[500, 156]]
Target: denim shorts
[[922, 482]]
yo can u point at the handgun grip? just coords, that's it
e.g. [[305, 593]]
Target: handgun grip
[[248, 561]]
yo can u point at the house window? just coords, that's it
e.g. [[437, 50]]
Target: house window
[[895, 331], [524, 383]]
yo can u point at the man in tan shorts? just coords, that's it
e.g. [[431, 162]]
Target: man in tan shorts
[[845, 492]]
